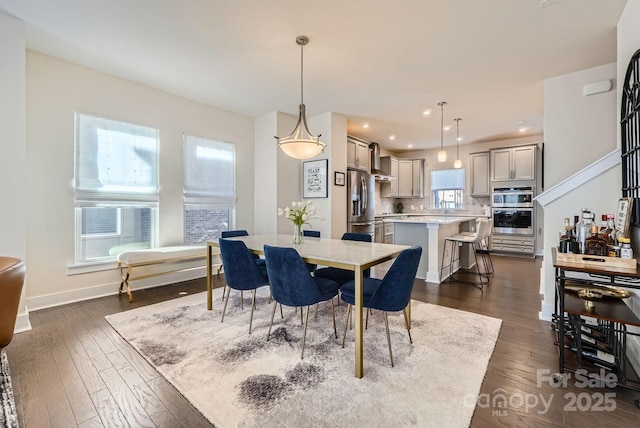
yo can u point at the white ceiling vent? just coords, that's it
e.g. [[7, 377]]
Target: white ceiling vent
[[597, 87]]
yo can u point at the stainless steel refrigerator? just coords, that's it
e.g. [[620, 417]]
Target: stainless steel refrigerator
[[360, 202]]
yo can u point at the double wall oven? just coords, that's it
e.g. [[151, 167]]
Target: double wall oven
[[512, 209]]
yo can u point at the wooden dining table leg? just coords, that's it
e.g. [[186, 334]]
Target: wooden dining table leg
[[209, 279], [359, 330]]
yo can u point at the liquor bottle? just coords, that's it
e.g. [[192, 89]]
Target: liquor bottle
[[569, 244], [609, 232], [595, 244], [583, 229], [603, 223]]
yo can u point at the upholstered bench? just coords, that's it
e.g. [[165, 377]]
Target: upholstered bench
[[170, 256]]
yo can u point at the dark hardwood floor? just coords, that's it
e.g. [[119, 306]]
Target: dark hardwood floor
[[72, 369]]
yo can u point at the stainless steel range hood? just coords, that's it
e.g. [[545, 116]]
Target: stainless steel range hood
[[377, 173]]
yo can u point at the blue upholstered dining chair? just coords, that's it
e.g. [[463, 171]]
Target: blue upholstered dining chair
[[260, 262], [311, 233], [241, 272], [342, 276], [292, 285], [389, 294]]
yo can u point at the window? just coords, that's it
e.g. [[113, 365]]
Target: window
[[209, 188], [115, 187], [447, 188]]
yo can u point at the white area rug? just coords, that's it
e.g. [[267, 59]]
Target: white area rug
[[241, 380], [8, 415]]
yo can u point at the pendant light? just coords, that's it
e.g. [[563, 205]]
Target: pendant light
[[442, 155], [301, 144], [457, 163]]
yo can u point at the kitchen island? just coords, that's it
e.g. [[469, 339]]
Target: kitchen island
[[430, 232]]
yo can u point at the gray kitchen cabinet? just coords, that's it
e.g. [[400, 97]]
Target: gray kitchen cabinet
[[513, 163], [389, 189], [410, 178], [480, 183], [513, 244], [405, 178], [358, 156]]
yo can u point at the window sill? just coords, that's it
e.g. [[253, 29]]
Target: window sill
[[81, 268]]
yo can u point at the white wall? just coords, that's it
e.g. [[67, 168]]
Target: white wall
[[13, 167], [578, 129], [55, 90], [265, 174], [333, 128]]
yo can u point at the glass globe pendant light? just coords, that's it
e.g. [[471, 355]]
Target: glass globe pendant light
[[301, 144], [442, 155], [457, 163]]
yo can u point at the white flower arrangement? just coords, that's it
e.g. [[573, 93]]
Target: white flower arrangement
[[300, 213]]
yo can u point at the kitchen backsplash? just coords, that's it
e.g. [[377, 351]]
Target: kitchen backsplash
[[474, 206]]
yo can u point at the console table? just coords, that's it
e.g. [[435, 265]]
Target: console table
[[614, 314]]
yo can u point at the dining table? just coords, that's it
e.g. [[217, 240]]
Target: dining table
[[355, 256]]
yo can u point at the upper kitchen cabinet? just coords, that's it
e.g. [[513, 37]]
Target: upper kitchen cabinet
[[390, 165], [480, 183], [410, 178], [358, 156], [513, 163]]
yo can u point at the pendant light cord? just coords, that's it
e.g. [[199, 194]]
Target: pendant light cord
[[458, 137], [441, 104], [301, 74]]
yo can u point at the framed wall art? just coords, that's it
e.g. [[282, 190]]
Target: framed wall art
[[338, 178], [623, 216], [314, 179]]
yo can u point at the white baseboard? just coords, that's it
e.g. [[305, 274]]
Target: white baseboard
[[109, 289], [23, 323], [546, 311]]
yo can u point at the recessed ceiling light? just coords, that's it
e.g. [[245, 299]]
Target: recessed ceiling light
[[392, 137], [365, 125], [459, 138], [410, 146], [447, 128], [427, 112], [523, 129]]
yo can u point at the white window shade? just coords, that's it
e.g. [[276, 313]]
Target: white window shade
[[209, 171], [447, 179], [115, 160]]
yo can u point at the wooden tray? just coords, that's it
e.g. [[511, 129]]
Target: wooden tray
[[596, 261]]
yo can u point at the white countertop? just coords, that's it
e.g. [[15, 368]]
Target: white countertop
[[453, 214], [432, 219]]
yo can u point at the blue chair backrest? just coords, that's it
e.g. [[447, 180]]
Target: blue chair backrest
[[311, 233], [364, 237], [232, 233], [290, 280], [394, 292], [240, 269]]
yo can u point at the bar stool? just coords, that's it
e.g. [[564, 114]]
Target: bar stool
[[483, 249], [482, 225]]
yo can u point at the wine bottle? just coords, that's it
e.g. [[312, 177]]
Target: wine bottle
[[599, 358]]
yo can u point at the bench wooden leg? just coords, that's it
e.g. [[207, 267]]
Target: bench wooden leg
[[125, 281]]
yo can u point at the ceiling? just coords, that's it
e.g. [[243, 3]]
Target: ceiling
[[377, 62]]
